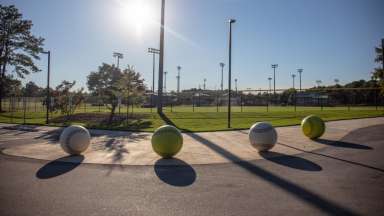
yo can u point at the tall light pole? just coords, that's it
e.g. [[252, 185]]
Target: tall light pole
[[222, 79], [165, 82], [48, 90], [274, 66], [270, 79], [293, 80], [231, 21], [178, 79], [154, 52], [236, 85], [161, 61], [336, 81], [118, 56], [300, 70], [205, 80]]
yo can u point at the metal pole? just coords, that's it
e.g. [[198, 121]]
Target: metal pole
[[193, 102], [229, 71], [178, 79], [165, 82], [24, 108], [236, 86], [222, 79], [161, 61], [153, 73], [205, 80], [274, 66], [300, 71], [48, 91], [241, 101], [274, 80]]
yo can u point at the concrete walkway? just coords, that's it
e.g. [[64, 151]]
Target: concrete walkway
[[134, 148]]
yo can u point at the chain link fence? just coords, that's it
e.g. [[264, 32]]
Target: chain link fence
[[33, 110]]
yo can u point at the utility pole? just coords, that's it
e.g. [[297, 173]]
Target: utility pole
[[154, 52], [293, 80], [118, 56], [274, 66], [231, 21], [161, 61], [222, 69], [178, 79], [300, 70]]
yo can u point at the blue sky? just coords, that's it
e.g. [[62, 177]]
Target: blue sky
[[329, 38]]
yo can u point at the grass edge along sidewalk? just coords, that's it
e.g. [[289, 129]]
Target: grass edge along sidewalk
[[195, 121]]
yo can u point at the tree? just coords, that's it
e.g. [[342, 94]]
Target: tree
[[18, 47], [378, 73], [32, 90], [110, 84], [12, 87], [66, 100]]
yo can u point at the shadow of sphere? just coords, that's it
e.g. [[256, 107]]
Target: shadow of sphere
[[291, 161], [59, 166], [175, 172], [342, 144]]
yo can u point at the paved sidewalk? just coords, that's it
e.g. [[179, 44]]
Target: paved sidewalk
[[134, 148]]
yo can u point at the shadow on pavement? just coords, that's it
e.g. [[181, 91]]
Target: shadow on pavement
[[325, 205], [291, 161], [315, 200], [175, 172], [342, 144], [59, 166]]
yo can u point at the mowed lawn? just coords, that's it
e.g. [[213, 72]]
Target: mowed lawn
[[188, 118]]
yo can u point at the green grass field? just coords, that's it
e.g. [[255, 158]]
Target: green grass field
[[187, 119]]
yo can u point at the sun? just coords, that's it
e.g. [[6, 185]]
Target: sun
[[136, 14]]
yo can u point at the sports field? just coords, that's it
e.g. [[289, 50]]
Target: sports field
[[189, 118]]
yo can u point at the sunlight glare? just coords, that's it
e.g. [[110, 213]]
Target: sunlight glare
[[137, 14]]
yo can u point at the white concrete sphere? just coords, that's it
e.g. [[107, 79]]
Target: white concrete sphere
[[262, 136], [75, 139]]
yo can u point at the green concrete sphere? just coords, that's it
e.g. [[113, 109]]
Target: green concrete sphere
[[167, 141], [313, 126]]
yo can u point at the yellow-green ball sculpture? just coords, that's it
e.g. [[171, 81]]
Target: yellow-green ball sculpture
[[167, 141], [313, 126]]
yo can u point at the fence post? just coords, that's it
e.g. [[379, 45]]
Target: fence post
[[241, 102], [193, 103], [85, 106], [217, 102], [24, 108], [376, 93], [127, 104], [12, 108]]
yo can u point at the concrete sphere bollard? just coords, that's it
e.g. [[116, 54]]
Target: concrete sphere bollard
[[75, 139], [262, 136], [313, 126], [167, 141]]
